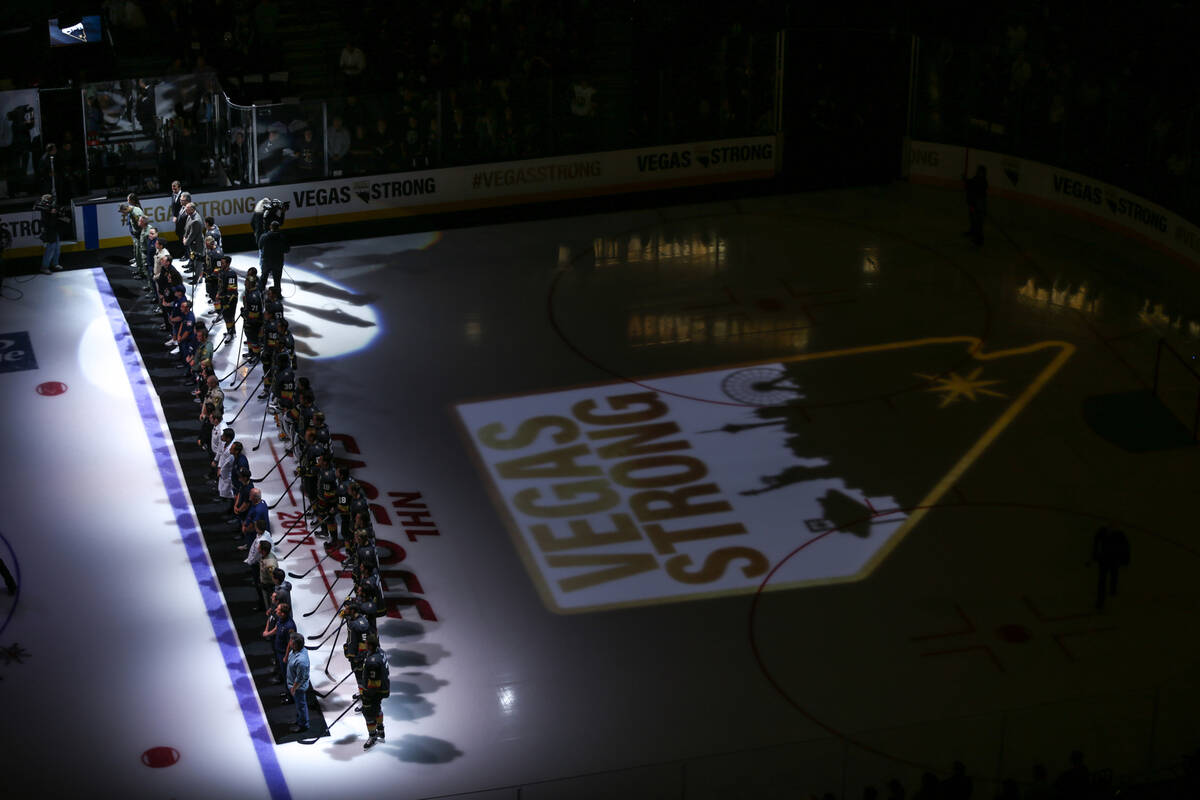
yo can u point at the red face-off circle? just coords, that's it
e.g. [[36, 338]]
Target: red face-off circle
[[51, 388], [160, 757]]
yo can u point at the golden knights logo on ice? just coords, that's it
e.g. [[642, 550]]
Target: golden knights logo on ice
[[695, 484]]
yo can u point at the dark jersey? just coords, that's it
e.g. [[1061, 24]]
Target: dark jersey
[[358, 505], [356, 639], [211, 257], [376, 681], [327, 484], [269, 339], [306, 414], [252, 304], [287, 344], [228, 283], [308, 459], [284, 387]]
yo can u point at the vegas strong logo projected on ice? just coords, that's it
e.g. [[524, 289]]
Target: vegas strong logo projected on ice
[[623, 494]]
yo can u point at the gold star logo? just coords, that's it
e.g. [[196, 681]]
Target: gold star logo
[[954, 386]]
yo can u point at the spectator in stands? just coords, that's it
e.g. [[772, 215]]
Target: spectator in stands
[[930, 789], [959, 785], [456, 142], [337, 140], [414, 152], [1039, 789], [308, 160], [360, 152], [275, 154], [1073, 783], [384, 151], [237, 165], [433, 141], [351, 64]]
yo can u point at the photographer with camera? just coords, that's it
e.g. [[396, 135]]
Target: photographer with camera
[[51, 217], [272, 247]]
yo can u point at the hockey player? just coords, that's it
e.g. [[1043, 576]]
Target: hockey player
[[376, 686], [227, 292], [355, 648], [283, 390], [360, 510], [252, 310], [326, 495], [211, 256], [345, 521]]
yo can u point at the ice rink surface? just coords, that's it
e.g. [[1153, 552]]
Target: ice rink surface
[[790, 494]]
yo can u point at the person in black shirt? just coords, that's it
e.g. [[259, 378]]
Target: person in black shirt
[[273, 245], [977, 189]]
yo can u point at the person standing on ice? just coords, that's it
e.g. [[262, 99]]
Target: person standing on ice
[[977, 189]]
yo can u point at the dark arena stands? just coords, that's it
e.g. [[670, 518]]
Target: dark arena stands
[[545, 399]]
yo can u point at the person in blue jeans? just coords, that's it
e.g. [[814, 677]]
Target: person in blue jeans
[[297, 680], [50, 221]]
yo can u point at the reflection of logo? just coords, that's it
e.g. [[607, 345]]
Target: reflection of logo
[[624, 494], [76, 31]]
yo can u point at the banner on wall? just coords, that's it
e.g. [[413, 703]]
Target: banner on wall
[[443, 190], [1031, 181], [440, 190]]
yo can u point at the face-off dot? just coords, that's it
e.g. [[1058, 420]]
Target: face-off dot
[[158, 757]]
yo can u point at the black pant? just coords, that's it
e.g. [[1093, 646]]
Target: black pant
[[976, 213], [274, 270], [1108, 571]]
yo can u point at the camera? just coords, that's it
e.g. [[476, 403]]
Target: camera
[[275, 211]]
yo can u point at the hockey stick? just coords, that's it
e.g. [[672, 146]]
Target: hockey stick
[[327, 594], [333, 647], [310, 569], [243, 408], [261, 428], [331, 619], [330, 725], [294, 523], [236, 366], [250, 372], [284, 492], [303, 540], [273, 466], [328, 692], [324, 635]]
